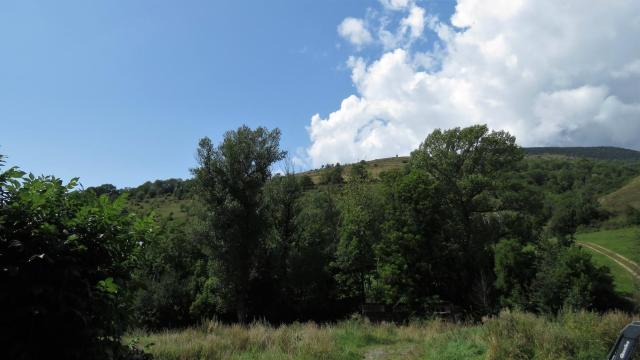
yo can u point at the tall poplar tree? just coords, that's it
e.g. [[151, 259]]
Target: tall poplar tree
[[230, 182]]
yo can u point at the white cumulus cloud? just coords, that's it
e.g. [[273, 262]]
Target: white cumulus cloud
[[354, 31], [410, 28], [396, 4], [550, 72]]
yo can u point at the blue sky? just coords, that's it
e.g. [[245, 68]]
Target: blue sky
[[120, 91]]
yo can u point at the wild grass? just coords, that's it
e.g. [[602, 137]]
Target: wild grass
[[619, 200], [579, 336], [511, 335], [164, 206]]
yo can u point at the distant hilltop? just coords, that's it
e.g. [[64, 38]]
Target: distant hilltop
[[594, 152]]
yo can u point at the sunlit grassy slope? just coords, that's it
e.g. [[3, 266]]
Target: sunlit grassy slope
[[508, 336], [593, 152], [165, 206], [625, 242], [619, 200], [374, 167]]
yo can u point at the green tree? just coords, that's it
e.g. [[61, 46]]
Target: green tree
[[411, 269], [515, 268], [66, 259], [313, 287], [359, 171], [481, 201], [166, 278], [306, 182], [567, 278], [105, 189], [571, 210], [633, 215], [273, 290], [359, 231], [332, 174], [230, 182]]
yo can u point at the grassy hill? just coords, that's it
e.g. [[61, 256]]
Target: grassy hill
[[593, 152], [167, 206], [170, 198], [627, 196], [375, 167]]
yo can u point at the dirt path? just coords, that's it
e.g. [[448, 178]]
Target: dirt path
[[631, 266], [624, 259]]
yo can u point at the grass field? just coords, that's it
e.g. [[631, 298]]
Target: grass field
[[625, 241], [508, 336]]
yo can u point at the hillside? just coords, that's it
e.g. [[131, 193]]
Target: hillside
[[620, 200], [375, 167], [593, 152], [613, 168]]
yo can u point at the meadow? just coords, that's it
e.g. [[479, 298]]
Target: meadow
[[511, 335], [623, 241], [624, 282]]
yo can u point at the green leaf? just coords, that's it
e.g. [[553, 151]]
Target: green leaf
[[108, 286], [72, 238]]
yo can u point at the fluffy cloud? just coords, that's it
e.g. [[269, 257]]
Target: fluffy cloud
[[354, 31], [411, 28], [396, 4], [550, 72]]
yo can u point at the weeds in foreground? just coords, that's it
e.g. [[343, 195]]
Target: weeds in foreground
[[511, 335]]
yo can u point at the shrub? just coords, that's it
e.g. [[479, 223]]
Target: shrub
[[65, 258]]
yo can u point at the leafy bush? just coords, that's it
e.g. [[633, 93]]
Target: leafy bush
[[64, 258], [567, 278], [165, 278], [332, 174]]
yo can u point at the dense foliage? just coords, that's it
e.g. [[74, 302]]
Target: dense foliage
[[65, 258], [468, 225], [465, 227], [234, 235]]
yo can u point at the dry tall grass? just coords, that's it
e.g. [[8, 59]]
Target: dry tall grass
[[346, 340], [572, 335], [511, 335]]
